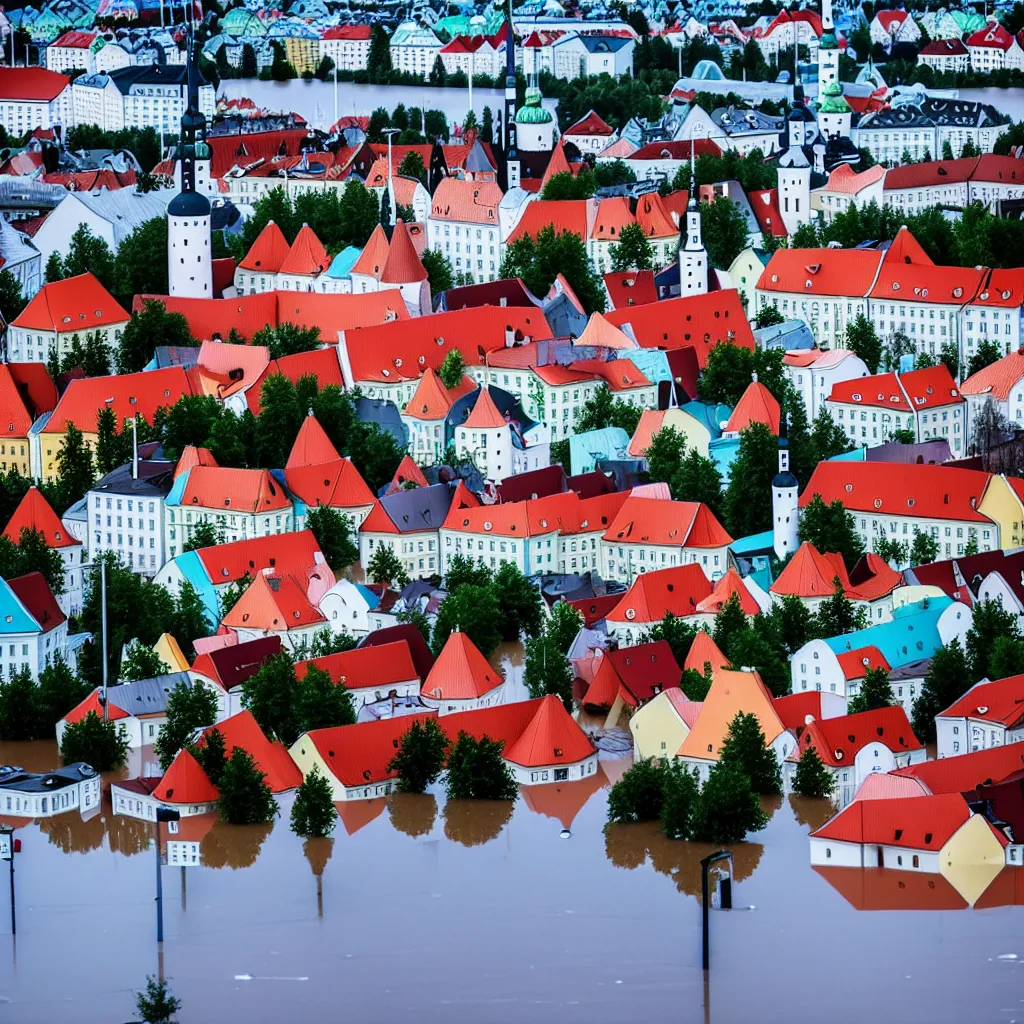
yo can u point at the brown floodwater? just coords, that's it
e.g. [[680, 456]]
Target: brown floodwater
[[474, 912]]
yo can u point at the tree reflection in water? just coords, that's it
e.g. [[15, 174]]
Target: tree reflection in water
[[233, 846], [128, 835], [318, 853], [812, 812], [413, 813], [71, 834], [475, 822]]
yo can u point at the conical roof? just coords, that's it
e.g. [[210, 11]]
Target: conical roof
[[407, 472], [552, 737], [312, 446], [403, 265], [34, 513], [431, 400], [461, 672], [268, 252], [600, 333], [756, 405], [484, 413], [374, 255], [186, 782], [729, 584], [307, 256], [704, 651]]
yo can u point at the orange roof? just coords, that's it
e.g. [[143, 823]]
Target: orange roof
[[613, 215], [403, 266], [374, 255], [820, 271], [653, 594], [697, 321], [466, 200], [756, 405], [271, 758], [268, 252], [36, 388], [1004, 287], [914, 282], [226, 369], [662, 521], [590, 124], [649, 424], [654, 216], [378, 521], [336, 484], [484, 414], [243, 490], [13, 406], [92, 703], [431, 400], [557, 163], [407, 472], [998, 378], [34, 513], [811, 574], [461, 672], [731, 692], [729, 584], [838, 740], [75, 304], [912, 823], [365, 667], [552, 737], [964, 772], [1002, 701], [855, 663], [573, 215], [601, 334], [128, 394], [292, 553], [186, 782], [307, 256], [704, 651], [274, 604], [888, 489], [312, 446], [844, 179]]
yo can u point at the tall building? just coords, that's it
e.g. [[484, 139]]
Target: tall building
[[834, 113], [801, 155], [785, 489], [189, 257], [693, 257], [511, 154]]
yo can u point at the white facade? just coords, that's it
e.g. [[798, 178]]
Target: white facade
[[967, 735], [625, 560], [37, 345], [814, 382], [133, 528], [95, 99], [414, 49], [830, 853], [418, 552], [234, 524], [161, 105], [143, 806], [85, 796], [189, 259], [347, 54], [471, 248], [20, 116]]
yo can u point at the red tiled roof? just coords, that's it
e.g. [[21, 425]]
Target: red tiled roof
[[357, 32], [307, 256], [74, 304], [484, 414], [590, 124], [838, 740], [699, 322], [998, 378], [35, 387], [321, 363], [193, 456], [92, 703], [1001, 700], [186, 782], [930, 173], [661, 521], [366, 667], [33, 84], [407, 472], [275, 604], [572, 215], [128, 394], [431, 400], [765, 204], [631, 288], [992, 36], [888, 489], [551, 737], [312, 446], [243, 490], [653, 594], [461, 672], [268, 252], [271, 758], [793, 709], [820, 271], [809, 573], [230, 666], [703, 651], [291, 553], [912, 823], [725, 588], [914, 282], [645, 670], [35, 513], [756, 405], [76, 39], [855, 663], [403, 265], [335, 484], [964, 772], [34, 593], [466, 200], [844, 179], [943, 48]]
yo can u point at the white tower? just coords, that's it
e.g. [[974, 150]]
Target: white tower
[[189, 256], [785, 516], [512, 167], [795, 162], [693, 257], [834, 114]]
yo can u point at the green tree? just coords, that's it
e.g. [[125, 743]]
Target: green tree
[[18, 707], [876, 693], [463, 570], [12, 301], [565, 186], [245, 797], [437, 72], [147, 331], [547, 670], [140, 267], [188, 708], [412, 167], [863, 340], [990, 623], [31, 554], [836, 615], [74, 466], [634, 251], [281, 69], [677, 633], [520, 603], [54, 268], [421, 756], [769, 316], [313, 813], [639, 795], [453, 369], [320, 703], [827, 439], [477, 771], [250, 69], [378, 61], [156, 1005], [204, 535], [563, 625], [88, 254], [730, 369], [473, 610], [812, 778], [745, 747], [287, 339], [97, 743], [680, 793], [748, 506], [724, 231], [947, 680], [985, 354], [334, 536], [141, 662], [212, 755], [697, 684], [924, 550], [602, 410], [439, 271], [728, 807], [385, 567], [59, 690], [729, 622], [270, 694], [538, 262], [831, 528]]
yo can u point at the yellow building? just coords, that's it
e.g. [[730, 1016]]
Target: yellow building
[[651, 421], [1003, 503], [660, 726], [26, 392]]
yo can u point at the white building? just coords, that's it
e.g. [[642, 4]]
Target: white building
[[414, 49], [155, 96], [48, 794], [813, 373], [96, 99], [125, 515], [463, 225], [74, 51], [945, 55], [33, 630], [989, 714], [33, 98], [347, 45]]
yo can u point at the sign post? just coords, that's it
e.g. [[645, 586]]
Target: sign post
[[9, 846]]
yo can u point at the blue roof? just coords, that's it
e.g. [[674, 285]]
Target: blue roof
[[191, 567], [723, 452], [712, 416], [762, 577], [342, 264], [755, 544], [652, 363], [912, 635], [371, 599], [177, 491], [857, 455], [587, 448], [14, 616]]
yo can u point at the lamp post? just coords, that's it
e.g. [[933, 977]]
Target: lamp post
[[726, 892], [390, 133], [9, 846], [162, 814], [102, 566]]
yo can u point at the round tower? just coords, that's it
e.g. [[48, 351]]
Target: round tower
[[785, 514], [535, 127]]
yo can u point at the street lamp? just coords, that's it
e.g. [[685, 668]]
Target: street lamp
[[162, 814], [725, 891], [102, 566]]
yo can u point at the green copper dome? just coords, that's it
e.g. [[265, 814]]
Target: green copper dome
[[532, 112], [833, 101], [828, 41]]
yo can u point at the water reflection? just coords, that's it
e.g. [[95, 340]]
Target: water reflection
[[475, 822], [630, 846], [233, 846], [318, 852], [885, 889], [356, 814], [74, 834], [413, 813], [563, 800], [128, 836], [508, 658], [811, 812]]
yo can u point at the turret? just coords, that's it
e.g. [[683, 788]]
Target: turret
[[785, 488], [693, 257], [511, 154]]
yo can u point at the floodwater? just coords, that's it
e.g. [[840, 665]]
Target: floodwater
[[480, 912]]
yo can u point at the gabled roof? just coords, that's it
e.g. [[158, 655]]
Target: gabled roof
[[268, 252], [36, 597], [599, 333], [572, 215], [461, 672], [306, 256], [230, 666], [251, 491], [731, 583], [838, 740], [551, 737], [856, 663], [992, 36], [484, 414], [653, 594], [292, 553], [964, 772], [312, 446], [1001, 700], [810, 574], [186, 782], [645, 670], [756, 405], [92, 704], [839, 272], [403, 265], [631, 288], [943, 48], [271, 758], [34, 513], [914, 823], [704, 651], [32, 84], [731, 692], [431, 400], [998, 378], [273, 604], [336, 484], [590, 124], [74, 304], [661, 521], [467, 201], [365, 667], [17, 411], [407, 472]]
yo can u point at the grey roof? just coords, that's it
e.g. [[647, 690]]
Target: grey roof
[[154, 480], [17, 190], [421, 508], [604, 44], [932, 112], [148, 74], [14, 246], [386, 415], [125, 209], [789, 335], [43, 782], [147, 696], [733, 121]]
